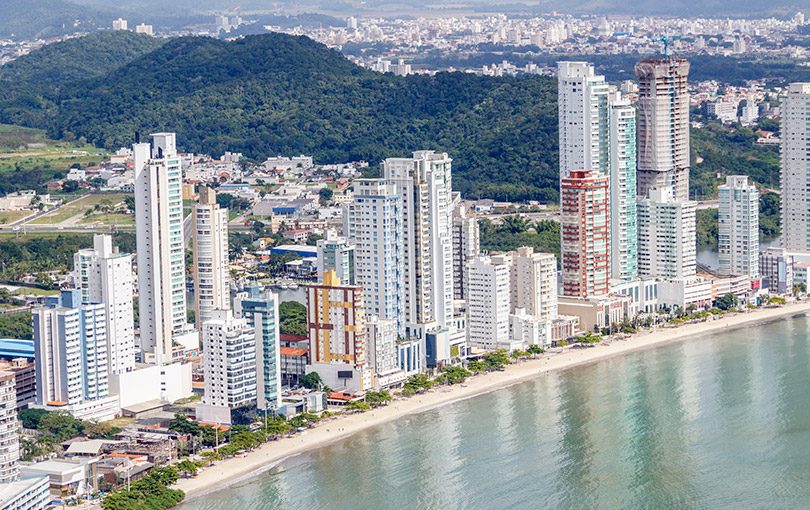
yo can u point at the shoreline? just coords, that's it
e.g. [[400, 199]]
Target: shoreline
[[240, 468]]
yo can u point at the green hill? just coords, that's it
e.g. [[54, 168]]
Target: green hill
[[78, 59], [278, 94], [29, 19]]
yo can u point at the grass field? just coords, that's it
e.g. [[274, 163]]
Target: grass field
[[80, 207], [12, 216], [109, 219], [31, 291]]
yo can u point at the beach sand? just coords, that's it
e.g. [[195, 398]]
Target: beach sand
[[231, 471]]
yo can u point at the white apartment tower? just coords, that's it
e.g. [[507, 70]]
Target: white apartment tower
[[424, 182], [466, 246], [738, 232], [103, 275], [666, 235], [795, 168], [9, 434], [623, 222], [335, 252], [230, 361], [159, 236], [534, 283], [211, 278], [489, 302], [663, 125], [582, 102], [375, 227]]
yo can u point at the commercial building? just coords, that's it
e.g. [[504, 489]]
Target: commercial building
[[596, 313], [663, 125], [25, 380], [337, 334], [161, 247], [230, 367], [489, 302], [70, 346], [776, 270], [585, 229], [582, 102], [795, 168], [211, 278], [104, 275], [623, 222], [260, 309], [738, 227], [335, 252], [26, 493], [666, 235]]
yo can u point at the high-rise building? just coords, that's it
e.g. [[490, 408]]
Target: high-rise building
[[381, 339], [261, 311], [160, 242], [424, 182], [585, 230], [776, 270], [663, 125], [230, 366], [666, 235], [337, 334], [144, 29], [70, 351], [9, 438], [623, 223], [211, 278], [335, 252], [534, 283], [582, 103], [466, 246], [489, 302], [795, 168], [738, 227], [119, 24], [104, 275], [376, 231]]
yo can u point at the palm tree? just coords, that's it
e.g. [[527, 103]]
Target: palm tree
[[515, 224]]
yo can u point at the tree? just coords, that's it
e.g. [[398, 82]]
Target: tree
[[183, 425], [378, 397], [727, 302], [496, 359], [293, 318], [418, 381], [515, 224], [799, 288], [313, 381], [535, 349], [453, 375], [187, 467], [325, 195], [357, 405], [61, 425], [476, 366]]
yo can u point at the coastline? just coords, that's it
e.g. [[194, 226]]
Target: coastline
[[237, 469]]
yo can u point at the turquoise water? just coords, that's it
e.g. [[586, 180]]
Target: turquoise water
[[712, 422]]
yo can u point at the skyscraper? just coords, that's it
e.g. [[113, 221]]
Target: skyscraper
[[583, 118], [211, 279], [666, 235], [534, 283], [623, 226], [261, 311], [230, 366], [466, 245], [663, 125], [489, 302], [9, 437], [424, 182], [795, 168], [585, 230], [738, 229], [376, 227], [161, 250], [103, 275], [337, 334]]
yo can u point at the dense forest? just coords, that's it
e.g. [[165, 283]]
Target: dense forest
[[279, 94]]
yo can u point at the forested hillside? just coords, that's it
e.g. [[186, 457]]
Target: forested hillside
[[278, 94]]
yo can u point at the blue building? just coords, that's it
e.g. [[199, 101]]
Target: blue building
[[261, 311]]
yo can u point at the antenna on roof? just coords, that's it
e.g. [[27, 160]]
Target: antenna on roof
[[137, 137]]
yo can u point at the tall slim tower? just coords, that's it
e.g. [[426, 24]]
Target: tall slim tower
[[211, 280], [795, 170], [582, 102], [623, 227], [161, 250], [585, 229], [105, 276], [9, 433], [261, 311], [466, 245], [375, 227], [663, 125], [424, 181], [738, 229]]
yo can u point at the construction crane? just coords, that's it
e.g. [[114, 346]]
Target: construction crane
[[666, 39]]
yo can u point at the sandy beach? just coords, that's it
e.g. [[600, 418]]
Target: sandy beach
[[231, 471]]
